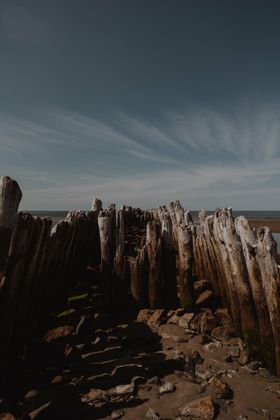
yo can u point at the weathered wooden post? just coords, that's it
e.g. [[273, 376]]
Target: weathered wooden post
[[107, 257], [249, 245], [239, 274], [267, 258], [154, 250], [185, 267], [139, 278], [168, 260], [10, 196]]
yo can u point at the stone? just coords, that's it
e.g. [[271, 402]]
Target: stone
[[233, 351], [57, 379], [222, 389], [31, 394], [166, 388], [96, 396], [154, 318], [203, 373], [224, 331], [195, 356], [203, 408], [207, 322], [205, 299], [212, 346], [123, 390], [151, 414], [59, 332], [7, 416], [117, 414], [184, 320], [223, 316]]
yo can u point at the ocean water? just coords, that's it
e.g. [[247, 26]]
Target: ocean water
[[56, 216]]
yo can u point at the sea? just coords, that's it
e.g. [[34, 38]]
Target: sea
[[56, 216]]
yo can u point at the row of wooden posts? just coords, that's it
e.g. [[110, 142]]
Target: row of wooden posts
[[146, 259]]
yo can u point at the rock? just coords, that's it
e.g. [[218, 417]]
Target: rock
[[58, 332], [166, 388], [233, 351], [174, 319], [222, 389], [195, 356], [57, 379], [203, 373], [224, 331], [96, 396], [184, 320], [213, 346], [31, 394], [205, 299], [117, 414], [7, 416], [240, 417], [151, 414], [200, 286], [154, 318], [207, 322], [123, 390], [203, 408], [223, 317]]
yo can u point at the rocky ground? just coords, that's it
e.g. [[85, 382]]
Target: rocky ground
[[162, 365]]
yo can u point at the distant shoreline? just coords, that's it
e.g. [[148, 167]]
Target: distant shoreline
[[273, 224]]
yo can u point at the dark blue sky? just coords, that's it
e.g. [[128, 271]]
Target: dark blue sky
[[143, 101]]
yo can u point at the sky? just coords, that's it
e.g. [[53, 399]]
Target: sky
[[141, 102]]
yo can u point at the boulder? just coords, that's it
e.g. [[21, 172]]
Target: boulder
[[203, 408], [185, 319]]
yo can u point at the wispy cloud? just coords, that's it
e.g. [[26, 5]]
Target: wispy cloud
[[204, 157]]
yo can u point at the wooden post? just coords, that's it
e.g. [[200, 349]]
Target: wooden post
[[139, 278], [107, 253], [249, 245], [168, 260], [10, 196], [238, 273], [154, 250], [185, 267], [267, 258]]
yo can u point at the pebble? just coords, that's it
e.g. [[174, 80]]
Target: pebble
[[151, 414], [166, 388]]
